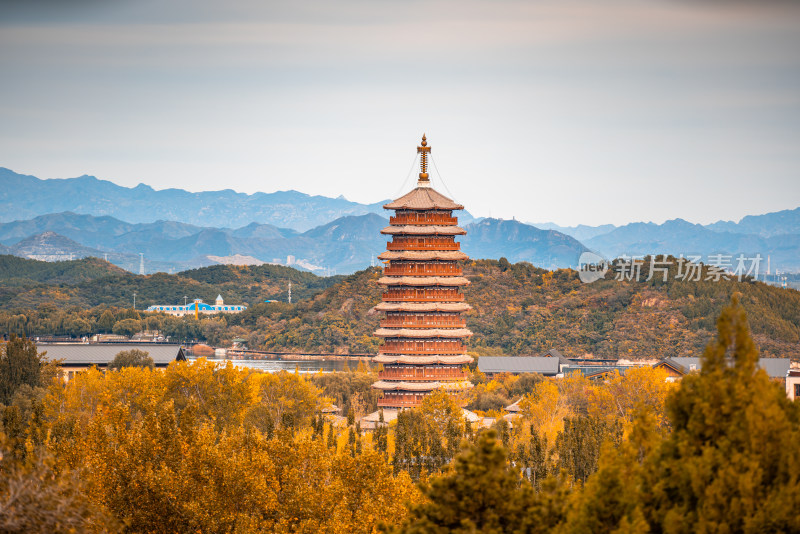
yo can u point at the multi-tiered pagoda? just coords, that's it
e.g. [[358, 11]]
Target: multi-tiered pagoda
[[423, 330]]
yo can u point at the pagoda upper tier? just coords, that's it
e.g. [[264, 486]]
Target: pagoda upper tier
[[423, 331], [423, 197]]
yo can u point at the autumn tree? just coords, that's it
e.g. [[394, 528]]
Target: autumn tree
[[20, 364], [730, 463], [578, 445], [128, 433], [479, 493], [285, 400], [428, 437], [545, 408], [531, 454], [36, 499], [623, 394], [131, 358], [611, 499], [381, 434], [127, 327], [219, 395]]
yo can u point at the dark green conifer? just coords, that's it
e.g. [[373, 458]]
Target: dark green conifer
[[20, 364], [731, 463]]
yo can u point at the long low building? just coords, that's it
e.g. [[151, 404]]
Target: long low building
[[552, 364], [77, 357], [776, 368], [197, 307]]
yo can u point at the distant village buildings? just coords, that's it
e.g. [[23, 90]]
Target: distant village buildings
[[553, 364], [198, 307]]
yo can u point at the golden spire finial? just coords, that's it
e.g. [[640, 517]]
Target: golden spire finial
[[423, 150]]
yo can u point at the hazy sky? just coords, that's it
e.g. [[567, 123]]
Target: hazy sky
[[579, 111]]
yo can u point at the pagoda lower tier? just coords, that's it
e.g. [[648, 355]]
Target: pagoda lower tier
[[409, 394], [426, 268], [397, 319], [413, 347]]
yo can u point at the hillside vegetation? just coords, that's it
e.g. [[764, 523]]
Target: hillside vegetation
[[518, 309], [91, 282], [15, 271]]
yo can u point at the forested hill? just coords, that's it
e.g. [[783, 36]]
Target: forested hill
[[91, 282], [518, 309], [15, 271]]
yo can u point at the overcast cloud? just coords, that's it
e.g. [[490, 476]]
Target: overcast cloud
[[566, 111]]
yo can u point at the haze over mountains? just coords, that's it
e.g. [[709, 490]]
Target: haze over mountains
[[342, 246], [86, 194], [177, 230]]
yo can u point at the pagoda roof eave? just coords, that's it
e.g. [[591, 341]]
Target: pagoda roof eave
[[423, 230], [423, 198], [423, 281], [423, 306], [459, 359], [423, 332], [422, 255], [386, 385]]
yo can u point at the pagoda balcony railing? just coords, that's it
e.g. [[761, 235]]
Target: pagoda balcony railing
[[422, 218], [429, 374], [430, 347], [414, 245], [424, 322], [384, 402], [412, 296], [422, 270]]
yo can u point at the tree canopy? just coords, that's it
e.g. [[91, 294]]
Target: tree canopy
[[131, 358]]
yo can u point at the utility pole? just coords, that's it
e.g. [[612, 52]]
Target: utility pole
[[290, 292], [184, 300], [134, 300], [141, 263]]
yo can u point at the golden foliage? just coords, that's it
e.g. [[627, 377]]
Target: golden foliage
[[173, 451]]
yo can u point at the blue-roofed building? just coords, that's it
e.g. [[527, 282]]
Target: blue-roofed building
[[198, 306]]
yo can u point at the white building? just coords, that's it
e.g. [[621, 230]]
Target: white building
[[198, 307]]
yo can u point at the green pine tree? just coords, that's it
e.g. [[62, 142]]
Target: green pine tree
[[20, 364], [332, 438], [477, 493], [731, 463]]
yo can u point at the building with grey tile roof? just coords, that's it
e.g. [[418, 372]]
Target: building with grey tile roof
[[775, 367], [82, 355], [545, 365]]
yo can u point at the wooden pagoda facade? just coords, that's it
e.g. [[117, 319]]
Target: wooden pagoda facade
[[423, 331]]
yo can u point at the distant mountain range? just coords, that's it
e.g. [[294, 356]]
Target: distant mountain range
[[342, 246], [785, 222], [31, 197], [774, 235], [581, 232], [516, 241], [50, 246], [177, 230], [680, 237]]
